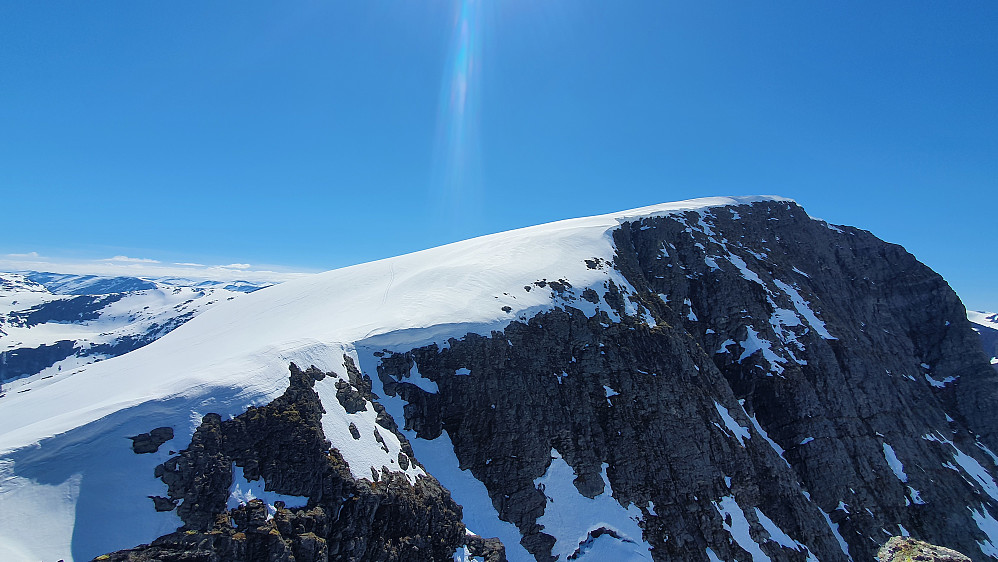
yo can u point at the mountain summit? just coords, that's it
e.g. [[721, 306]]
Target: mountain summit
[[714, 379]]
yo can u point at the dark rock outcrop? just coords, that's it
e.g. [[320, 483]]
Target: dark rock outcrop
[[16, 363], [658, 434], [342, 518], [904, 549], [150, 442], [76, 309], [489, 550]]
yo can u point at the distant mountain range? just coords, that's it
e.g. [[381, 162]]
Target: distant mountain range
[[51, 322], [986, 325]]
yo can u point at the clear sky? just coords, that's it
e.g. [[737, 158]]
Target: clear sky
[[317, 134]]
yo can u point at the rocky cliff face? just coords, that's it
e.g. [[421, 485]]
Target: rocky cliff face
[[762, 371]]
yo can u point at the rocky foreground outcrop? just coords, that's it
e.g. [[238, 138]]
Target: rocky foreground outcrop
[[389, 518], [905, 549]]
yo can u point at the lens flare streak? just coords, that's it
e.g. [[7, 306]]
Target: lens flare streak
[[458, 180]]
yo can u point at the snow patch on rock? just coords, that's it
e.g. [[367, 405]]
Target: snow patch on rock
[[573, 519]]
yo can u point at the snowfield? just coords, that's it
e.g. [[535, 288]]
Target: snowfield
[[71, 487], [986, 319], [986, 326], [71, 320]]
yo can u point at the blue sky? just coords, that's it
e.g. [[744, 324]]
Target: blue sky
[[312, 135]]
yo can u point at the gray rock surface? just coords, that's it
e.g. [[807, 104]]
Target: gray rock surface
[[905, 549], [149, 442]]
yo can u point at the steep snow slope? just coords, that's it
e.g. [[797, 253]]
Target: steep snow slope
[[72, 487], [52, 322]]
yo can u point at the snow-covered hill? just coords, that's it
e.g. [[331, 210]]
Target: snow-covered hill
[[54, 322], [74, 284], [722, 377], [986, 325]]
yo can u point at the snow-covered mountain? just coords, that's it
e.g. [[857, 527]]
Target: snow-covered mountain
[[52, 322], [714, 379], [74, 284], [986, 325]]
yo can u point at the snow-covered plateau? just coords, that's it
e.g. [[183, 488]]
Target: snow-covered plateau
[[709, 436], [54, 322]]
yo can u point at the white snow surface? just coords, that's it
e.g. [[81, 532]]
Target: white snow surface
[[243, 491], [937, 383], [609, 392], [146, 313], [986, 319], [969, 465], [777, 535], [894, 463], [739, 431], [419, 380], [236, 354], [803, 307], [834, 527], [361, 454], [571, 517], [762, 433], [738, 527], [986, 523], [753, 343]]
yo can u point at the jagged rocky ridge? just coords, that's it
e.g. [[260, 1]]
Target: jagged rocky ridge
[[340, 517], [696, 381]]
